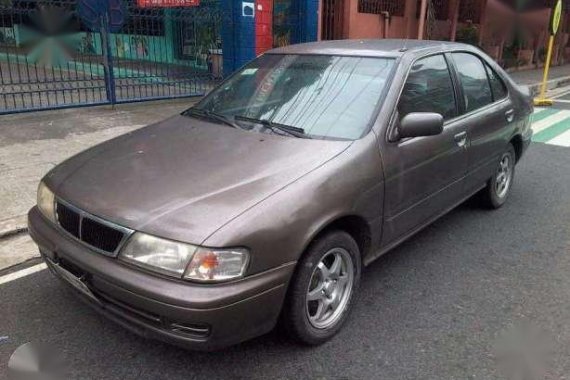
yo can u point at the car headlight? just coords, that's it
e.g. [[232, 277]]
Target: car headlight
[[46, 201], [184, 260]]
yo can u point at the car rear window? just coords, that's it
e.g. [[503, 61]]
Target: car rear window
[[497, 85], [476, 88]]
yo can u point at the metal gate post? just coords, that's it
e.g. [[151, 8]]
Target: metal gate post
[[309, 20], [107, 59]]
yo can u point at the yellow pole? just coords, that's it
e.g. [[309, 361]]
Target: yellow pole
[[555, 18], [541, 99]]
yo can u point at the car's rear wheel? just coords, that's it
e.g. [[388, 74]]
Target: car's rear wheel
[[499, 186], [323, 288]]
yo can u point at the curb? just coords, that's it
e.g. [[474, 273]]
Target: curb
[[550, 85], [13, 226]]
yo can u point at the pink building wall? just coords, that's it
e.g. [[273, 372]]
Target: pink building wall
[[364, 25], [495, 30]]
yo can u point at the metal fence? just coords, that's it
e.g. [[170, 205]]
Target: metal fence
[[62, 53]]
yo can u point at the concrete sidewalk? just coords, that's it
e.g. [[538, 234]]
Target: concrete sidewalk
[[559, 76]]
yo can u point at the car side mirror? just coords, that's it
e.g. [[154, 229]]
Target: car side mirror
[[418, 124]]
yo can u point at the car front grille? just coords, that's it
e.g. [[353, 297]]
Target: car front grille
[[68, 219], [100, 236], [104, 236]]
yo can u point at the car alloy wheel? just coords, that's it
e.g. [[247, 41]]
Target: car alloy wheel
[[323, 288], [499, 186], [330, 288], [503, 177]]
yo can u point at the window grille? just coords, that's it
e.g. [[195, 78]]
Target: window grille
[[394, 7]]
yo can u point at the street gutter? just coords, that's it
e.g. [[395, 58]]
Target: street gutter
[[13, 226]]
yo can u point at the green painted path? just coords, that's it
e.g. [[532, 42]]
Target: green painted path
[[551, 126]]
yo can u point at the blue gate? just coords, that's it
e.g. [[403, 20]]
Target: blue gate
[[69, 53]]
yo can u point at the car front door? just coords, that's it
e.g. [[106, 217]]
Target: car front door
[[424, 174]]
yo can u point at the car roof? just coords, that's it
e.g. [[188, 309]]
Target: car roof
[[371, 48]]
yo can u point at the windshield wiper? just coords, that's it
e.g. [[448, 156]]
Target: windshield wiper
[[210, 115], [293, 131]]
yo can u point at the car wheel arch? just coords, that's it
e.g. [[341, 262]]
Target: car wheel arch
[[517, 142], [354, 225]]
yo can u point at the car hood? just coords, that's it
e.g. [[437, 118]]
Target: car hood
[[184, 178]]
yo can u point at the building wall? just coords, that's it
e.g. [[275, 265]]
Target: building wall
[[365, 25], [532, 35], [494, 21], [361, 25]]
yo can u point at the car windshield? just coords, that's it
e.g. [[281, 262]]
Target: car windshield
[[322, 96]]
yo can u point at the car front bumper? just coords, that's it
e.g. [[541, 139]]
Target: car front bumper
[[196, 316]]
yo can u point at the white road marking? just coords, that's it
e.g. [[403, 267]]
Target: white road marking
[[550, 120], [561, 140], [22, 273], [564, 93]]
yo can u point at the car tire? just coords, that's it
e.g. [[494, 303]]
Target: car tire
[[499, 186], [322, 290]]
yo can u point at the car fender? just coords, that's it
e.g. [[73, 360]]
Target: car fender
[[279, 229]]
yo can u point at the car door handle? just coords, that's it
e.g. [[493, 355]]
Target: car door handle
[[510, 115], [461, 139]]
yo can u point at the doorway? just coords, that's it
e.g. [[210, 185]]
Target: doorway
[[332, 19]]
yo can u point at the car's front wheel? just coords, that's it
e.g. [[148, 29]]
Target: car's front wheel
[[323, 288], [499, 186]]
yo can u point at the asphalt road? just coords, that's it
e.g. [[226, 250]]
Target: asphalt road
[[433, 308]]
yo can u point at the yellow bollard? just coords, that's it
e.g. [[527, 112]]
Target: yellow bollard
[[555, 18], [541, 100]]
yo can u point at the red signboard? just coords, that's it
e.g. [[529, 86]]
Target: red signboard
[[167, 3]]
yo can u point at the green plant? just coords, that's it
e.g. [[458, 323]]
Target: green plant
[[468, 34]]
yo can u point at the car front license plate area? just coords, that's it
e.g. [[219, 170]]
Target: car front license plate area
[[72, 275]]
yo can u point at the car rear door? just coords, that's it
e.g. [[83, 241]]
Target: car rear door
[[424, 174], [488, 112]]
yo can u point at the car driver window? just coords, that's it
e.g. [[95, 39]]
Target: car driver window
[[428, 89]]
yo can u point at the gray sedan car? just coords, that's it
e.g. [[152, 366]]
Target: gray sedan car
[[265, 200]]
